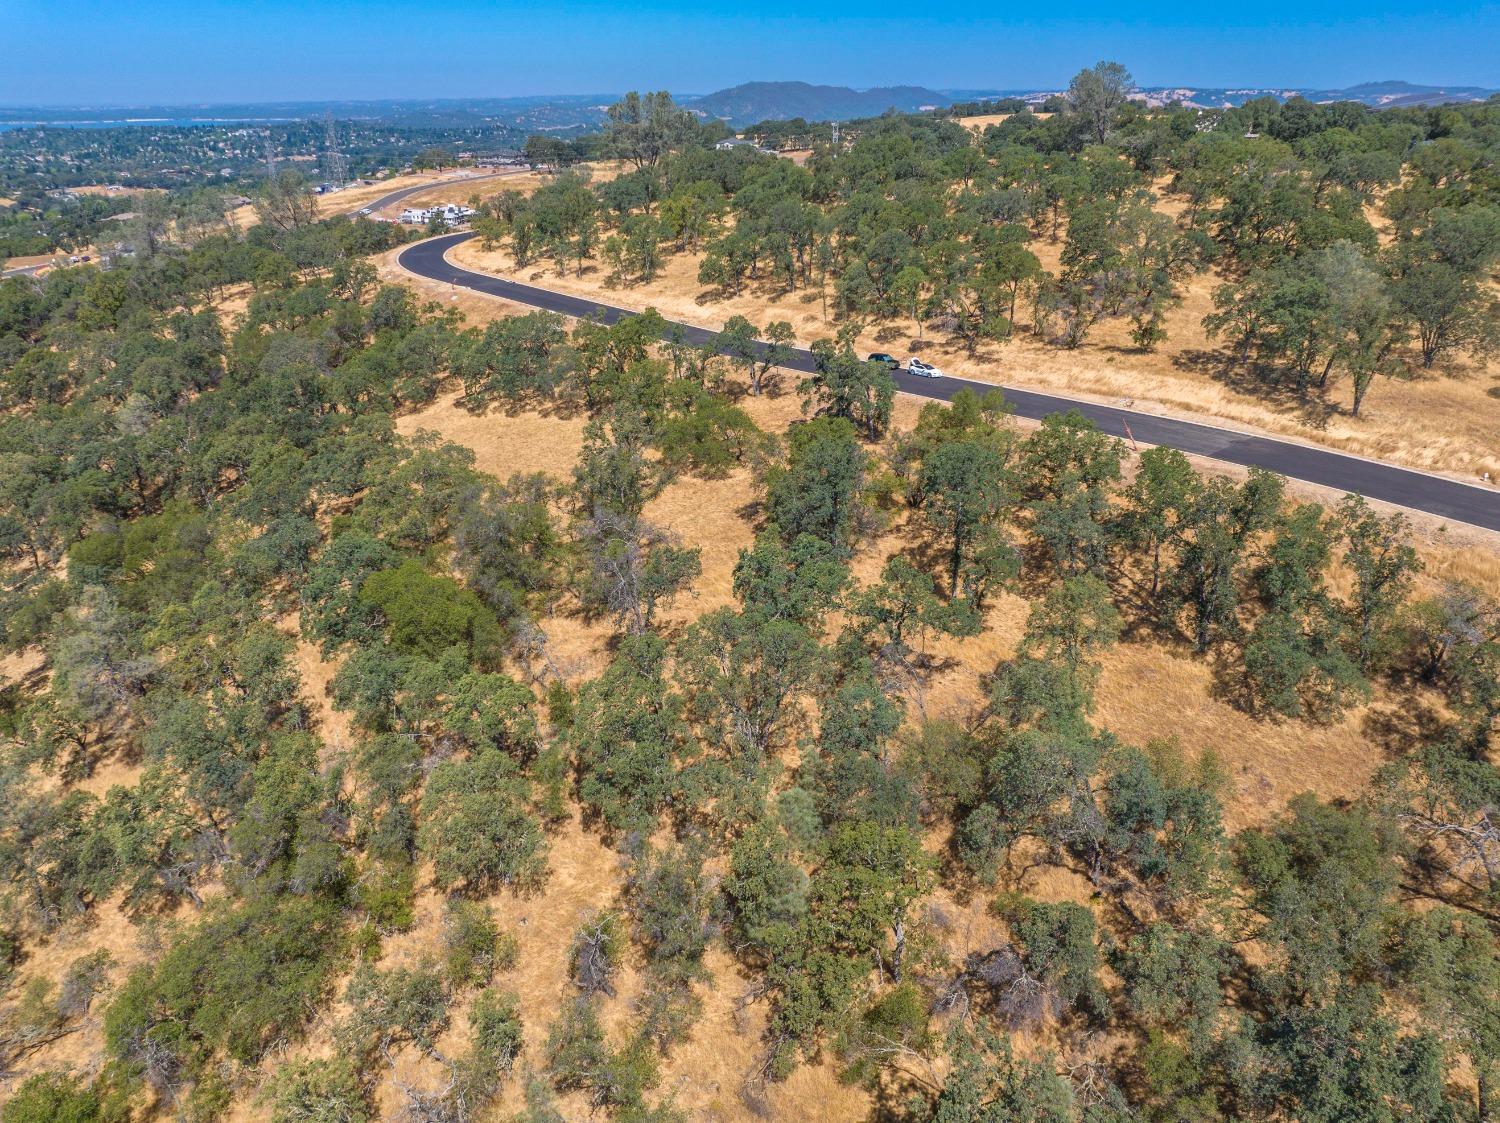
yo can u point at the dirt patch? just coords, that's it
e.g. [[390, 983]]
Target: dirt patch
[[34, 261], [18, 666], [115, 190]]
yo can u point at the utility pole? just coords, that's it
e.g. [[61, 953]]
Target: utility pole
[[334, 166]]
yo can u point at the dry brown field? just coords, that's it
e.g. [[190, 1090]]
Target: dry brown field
[[116, 190], [982, 121]]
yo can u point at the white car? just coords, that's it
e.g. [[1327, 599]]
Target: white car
[[923, 370]]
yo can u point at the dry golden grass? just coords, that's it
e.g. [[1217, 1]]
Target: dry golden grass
[[503, 443], [108, 928], [1147, 690], [317, 674], [983, 121], [115, 190], [18, 666], [232, 305]]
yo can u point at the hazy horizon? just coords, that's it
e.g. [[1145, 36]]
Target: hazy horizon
[[333, 50], [267, 103]]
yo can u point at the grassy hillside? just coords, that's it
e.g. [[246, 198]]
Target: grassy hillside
[[415, 708]]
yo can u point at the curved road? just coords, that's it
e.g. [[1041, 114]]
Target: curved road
[[407, 192], [1436, 495]]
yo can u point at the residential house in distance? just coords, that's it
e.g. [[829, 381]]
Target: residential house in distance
[[734, 142], [452, 214]]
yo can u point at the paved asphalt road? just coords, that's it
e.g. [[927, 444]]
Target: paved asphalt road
[[1449, 499], [407, 192]]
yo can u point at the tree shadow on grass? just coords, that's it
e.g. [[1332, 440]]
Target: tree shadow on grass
[[1398, 731], [561, 407], [1258, 381]]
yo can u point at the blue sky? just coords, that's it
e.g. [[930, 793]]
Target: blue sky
[[69, 52]]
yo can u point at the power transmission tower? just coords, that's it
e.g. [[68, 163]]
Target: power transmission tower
[[334, 166], [835, 134], [270, 158]]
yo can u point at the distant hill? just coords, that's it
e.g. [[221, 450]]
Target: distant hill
[[769, 101], [1378, 95], [1404, 93], [766, 101]]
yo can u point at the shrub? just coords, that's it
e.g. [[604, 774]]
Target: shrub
[[471, 941], [387, 893], [427, 614], [896, 1020], [403, 1004], [317, 1091], [709, 436], [476, 828], [52, 1097], [579, 1059], [245, 977]]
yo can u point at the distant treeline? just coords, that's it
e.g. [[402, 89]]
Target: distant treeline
[[982, 108]]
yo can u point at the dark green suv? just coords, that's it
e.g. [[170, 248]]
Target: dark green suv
[[889, 360]]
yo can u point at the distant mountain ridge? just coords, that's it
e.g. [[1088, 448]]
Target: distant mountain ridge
[[1377, 95], [738, 106], [1405, 93], [766, 101]]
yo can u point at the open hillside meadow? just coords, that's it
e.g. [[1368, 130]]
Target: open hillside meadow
[[415, 707]]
